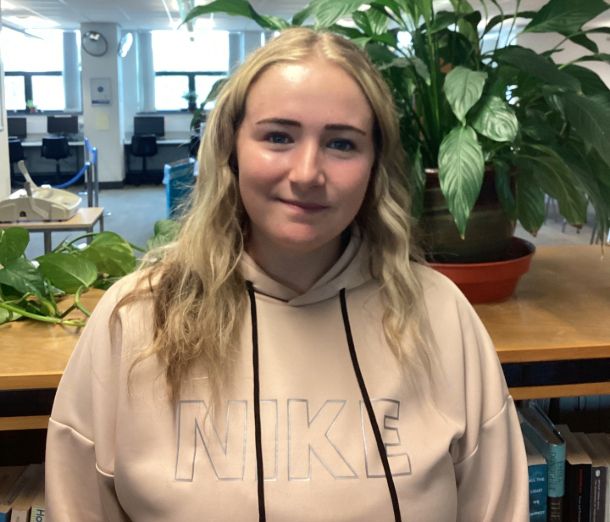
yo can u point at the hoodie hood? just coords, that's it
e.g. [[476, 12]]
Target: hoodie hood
[[350, 271]]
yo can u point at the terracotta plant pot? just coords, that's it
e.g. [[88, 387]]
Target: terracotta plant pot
[[491, 281]]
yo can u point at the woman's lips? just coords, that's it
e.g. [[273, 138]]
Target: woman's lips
[[304, 205]]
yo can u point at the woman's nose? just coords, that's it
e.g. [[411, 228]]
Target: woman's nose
[[307, 168]]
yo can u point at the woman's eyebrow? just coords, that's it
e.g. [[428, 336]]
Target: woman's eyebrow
[[294, 123]]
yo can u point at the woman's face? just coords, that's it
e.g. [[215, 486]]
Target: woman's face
[[305, 154]]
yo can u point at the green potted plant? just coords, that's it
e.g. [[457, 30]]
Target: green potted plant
[[503, 127]]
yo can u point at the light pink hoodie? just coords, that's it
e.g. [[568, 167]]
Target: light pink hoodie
[[454, 450]]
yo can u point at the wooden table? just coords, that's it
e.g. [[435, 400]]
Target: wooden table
[[560, 315], [33, 356], [84, 219], [553, 335]]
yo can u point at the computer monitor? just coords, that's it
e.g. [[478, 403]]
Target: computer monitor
[[63, 125], [17, 127], [149, 125]]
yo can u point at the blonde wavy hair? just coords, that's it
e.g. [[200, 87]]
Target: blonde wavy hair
[[199, 296]]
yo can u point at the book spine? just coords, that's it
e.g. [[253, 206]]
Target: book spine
[[38, 514], [555, 509], [598, 493], [556, 458], [538, 492]]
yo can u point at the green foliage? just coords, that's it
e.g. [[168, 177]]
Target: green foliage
[[165, 231], [460, 108], [30, 289]]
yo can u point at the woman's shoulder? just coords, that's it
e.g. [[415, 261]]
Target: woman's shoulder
[[437, 286], [133, 289]]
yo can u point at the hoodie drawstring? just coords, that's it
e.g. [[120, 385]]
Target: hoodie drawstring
[[260, 474], [365, 397], [369, 408]]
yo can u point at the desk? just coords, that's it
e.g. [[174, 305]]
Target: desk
[[553, 335], [35, 142], [84, 219], [172, 147], [559, 314], [33, 356]]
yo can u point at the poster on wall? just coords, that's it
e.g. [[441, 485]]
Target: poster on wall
[[100, 91]]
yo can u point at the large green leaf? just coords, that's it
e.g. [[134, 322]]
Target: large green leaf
[[556, 179], [591, 172], [237, 8], [13, 242], [463, 88], [111, 254], [537, 66], [68, 272], [530, 201], [24, 277], [496, 120], [378, 19], [584, 41], [590, 82], [565, 16], [591, 121], [504, 190], [327, 12], [461, 166], [498, 19]]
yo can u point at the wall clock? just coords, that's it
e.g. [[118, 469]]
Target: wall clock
[[94, 43]]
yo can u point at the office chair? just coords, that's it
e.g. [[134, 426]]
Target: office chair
[[15, 154], [56, 148], [144, 146]]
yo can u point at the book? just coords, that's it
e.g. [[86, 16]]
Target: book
[[38, 506], [22, 505], [600, 445], [577, 479], [13, 490], [543, 434], [537, 473], [9, 476]]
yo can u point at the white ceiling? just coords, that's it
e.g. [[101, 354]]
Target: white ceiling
[[164, 14], [129, 14]]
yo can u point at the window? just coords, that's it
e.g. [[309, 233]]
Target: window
[[185, 63], [33, 69], [14, 92]]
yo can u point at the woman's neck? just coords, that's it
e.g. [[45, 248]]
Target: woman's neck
[[296, 270]]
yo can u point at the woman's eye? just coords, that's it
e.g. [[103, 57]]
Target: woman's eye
[[278, 138], [342, 145]]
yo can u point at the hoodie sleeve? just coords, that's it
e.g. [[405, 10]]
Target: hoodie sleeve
[[79, 455], [489, 459], [492, 481]]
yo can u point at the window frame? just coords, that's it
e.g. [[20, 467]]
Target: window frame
[[28, 90], [191, 75]]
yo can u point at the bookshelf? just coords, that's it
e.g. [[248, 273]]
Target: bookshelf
[[552, 338]]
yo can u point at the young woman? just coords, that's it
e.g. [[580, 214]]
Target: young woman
[[287, 360]]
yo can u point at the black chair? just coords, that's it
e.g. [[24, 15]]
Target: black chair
[[57, 148], [15, 154], [144, 146]]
